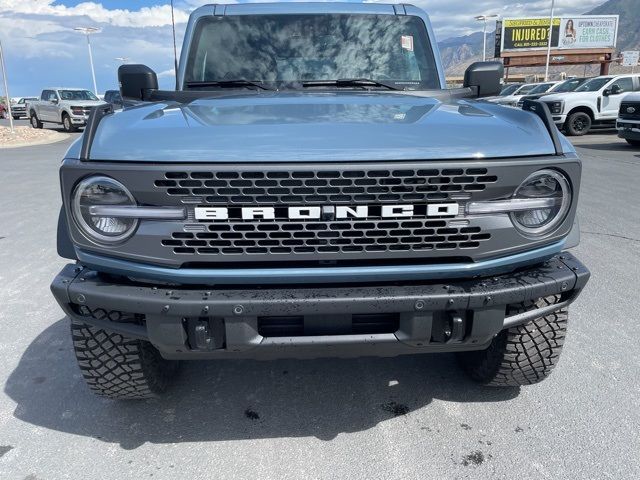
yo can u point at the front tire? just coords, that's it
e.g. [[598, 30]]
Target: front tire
[[635, 143], [521, 355], [578, 124], [68, 126], [119, 367], [35, 123]]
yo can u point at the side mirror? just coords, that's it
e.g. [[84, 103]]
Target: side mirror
[[54, 101], [136, 81], [484, 78], [606, 92]]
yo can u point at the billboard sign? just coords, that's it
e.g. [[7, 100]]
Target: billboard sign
[[630, 58], [581, 32]]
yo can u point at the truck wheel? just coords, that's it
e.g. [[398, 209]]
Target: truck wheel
[[35, 123], [521, 355], [635, 143], [67, 124], [578, 124], [118, 367]]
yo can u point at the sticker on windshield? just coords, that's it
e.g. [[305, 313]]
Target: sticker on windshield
[[407, 42]]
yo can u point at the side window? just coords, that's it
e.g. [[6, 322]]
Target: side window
[[625, 84]]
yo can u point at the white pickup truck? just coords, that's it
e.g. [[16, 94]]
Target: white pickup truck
[[628, 123], [596, 101], [69, 107]]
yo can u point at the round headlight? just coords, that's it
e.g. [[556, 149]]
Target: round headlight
[[546, 185], [102, 191]]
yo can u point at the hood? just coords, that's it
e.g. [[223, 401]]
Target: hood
[[351, 126], [553, 97], [85, 103]]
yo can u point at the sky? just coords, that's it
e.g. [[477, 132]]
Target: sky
[[42, 49]]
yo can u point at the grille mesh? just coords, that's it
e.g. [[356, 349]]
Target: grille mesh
[[305, 187], [372, 236], [630, 116]]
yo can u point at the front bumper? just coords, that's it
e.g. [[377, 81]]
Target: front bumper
[[628, 129], [379, 320]]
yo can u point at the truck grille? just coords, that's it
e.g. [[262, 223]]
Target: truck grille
[[307, 188], [326, 237], [624, 106], [335, 186]]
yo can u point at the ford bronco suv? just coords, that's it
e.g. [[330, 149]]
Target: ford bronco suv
[[312, 189]]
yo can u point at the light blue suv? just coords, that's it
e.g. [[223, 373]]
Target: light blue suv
[[312, 189]]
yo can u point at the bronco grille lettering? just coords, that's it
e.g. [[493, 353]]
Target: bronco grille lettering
[[327, 212]]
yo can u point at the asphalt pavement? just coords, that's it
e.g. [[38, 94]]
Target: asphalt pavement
[[412, 417]]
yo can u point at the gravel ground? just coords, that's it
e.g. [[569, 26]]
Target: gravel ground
[[404, 418], [25, 135]]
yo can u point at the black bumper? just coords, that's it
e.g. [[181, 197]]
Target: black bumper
[[316, 321]]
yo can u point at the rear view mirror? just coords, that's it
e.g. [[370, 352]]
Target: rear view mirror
[[484, 78], [136, 81]]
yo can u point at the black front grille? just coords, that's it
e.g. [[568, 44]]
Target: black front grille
[[375, 236], [624, 110], [334, 186]]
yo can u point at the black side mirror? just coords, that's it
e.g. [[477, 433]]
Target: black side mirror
[[606, 92], [484, 78], [136, 81]]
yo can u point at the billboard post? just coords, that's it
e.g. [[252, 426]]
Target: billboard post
[[546, 71]]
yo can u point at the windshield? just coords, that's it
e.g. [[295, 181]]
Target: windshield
[[593, 85], [286, 50], [569, 85], [77, 95], [509, 89], [543, 87], [524, 89]]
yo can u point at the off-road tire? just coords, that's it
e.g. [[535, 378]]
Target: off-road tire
[[578, 124], [521, 355], [635, 143], [119, 367], [68, 126], [33, 119]]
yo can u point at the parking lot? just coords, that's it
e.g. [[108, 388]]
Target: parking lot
[[405, 418]]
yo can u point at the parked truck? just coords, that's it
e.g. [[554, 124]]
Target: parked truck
[[69, 107], [628, 124], [312, 189], [594, 103]]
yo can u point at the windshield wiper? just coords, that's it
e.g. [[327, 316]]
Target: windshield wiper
[[349, 82], [228, 84]]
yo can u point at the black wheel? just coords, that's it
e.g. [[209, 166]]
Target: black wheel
[[67, 124], [578, 124], [521, 355], [118, 367], [635, 143], [35, 123]]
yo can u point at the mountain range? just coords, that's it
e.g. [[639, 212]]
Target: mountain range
[[459, 52]]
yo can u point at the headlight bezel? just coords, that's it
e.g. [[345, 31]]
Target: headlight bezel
[[91, 232], [549, 227]]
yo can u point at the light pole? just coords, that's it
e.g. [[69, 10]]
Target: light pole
[[484, 18], [546, 70], [6, 87], [88, 31]]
